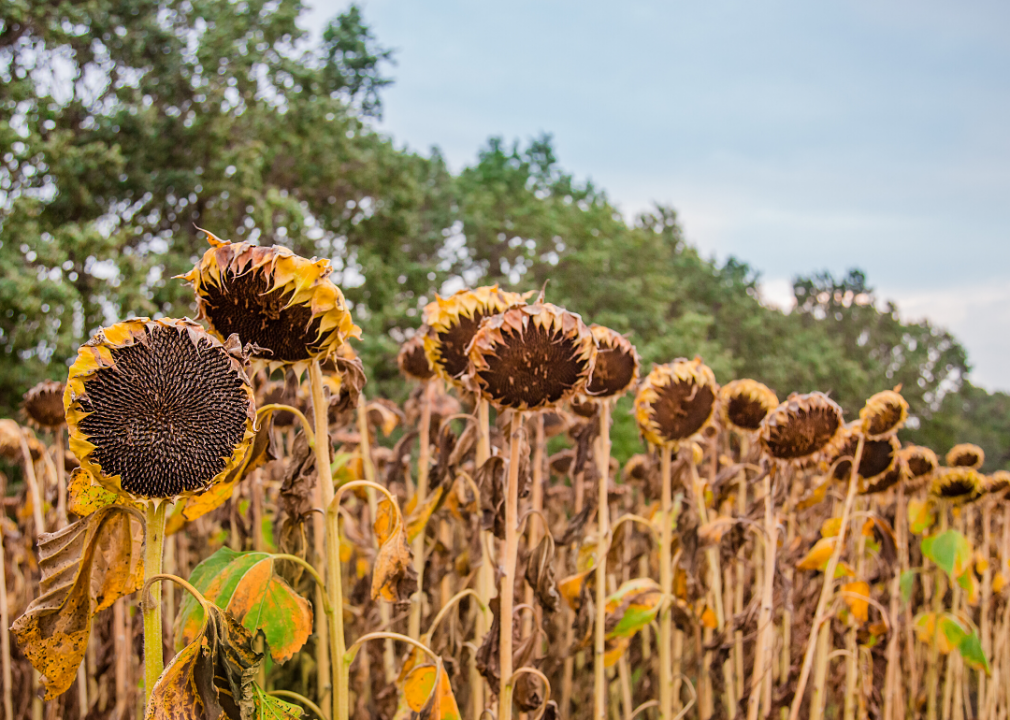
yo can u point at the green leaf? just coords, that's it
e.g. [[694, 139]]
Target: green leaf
[[632, 607], [907, 584], [970, 648], [248, 587], [950, 550], [952, 630], [270, 708]]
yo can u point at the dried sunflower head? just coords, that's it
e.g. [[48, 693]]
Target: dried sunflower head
[[676, 402], [958, 485], [879, 456], [616, 368], [159, 408], [802, 429], [284, 306], [998, 482], [531, 357], [412, 359], [43, 405], [453, 321], [884, 481], [10, 439], [966, 455], [920, 461], [743, 404], [883, 414]]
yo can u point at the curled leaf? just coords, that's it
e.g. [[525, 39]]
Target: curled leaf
[[540, 574], [819, 554], [248, 586], [85, 568], [393, 576]]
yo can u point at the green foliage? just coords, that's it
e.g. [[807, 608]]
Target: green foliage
[[171, 115], [950, 550]]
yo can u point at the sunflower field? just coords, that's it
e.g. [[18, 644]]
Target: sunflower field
[[441, 445]]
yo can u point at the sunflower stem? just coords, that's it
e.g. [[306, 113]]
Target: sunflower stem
[[423, 463], [485, 576], [340, 688], [5, 641], [507, 588], [829, 579], [154, 540], [602, 542], [666, 584]]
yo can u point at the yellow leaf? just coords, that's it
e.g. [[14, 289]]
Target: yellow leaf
[[709, 619], [854, 592], [843, 569], [819, 555], [868, 528], [999, 582], [393, 576], [830, 527]]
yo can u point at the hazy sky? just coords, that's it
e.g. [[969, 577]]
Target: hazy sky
[[798, 136]]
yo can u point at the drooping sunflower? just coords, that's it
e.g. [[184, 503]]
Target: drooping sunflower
[[883, 415], [743, 404], [966, 455], [412, 359], [616, 368], [998, 482], [43, 405], [675, 402], [879, 456], [284, 306], [802, 429], [452, 323], [531, 357], [958, 485], [159, 408], [918, 463]]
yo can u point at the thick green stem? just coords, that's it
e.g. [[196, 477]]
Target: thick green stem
[[507, 588], [341, 703], [602, 542], [154, 661]]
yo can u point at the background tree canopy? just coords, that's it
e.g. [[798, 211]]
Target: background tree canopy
[[125, 126]]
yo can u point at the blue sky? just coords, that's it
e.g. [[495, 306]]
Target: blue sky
[[797, 136]]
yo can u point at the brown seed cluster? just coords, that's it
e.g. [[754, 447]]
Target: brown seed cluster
[[412, 359], [801, 427], [966, 455], [682, 408], [884, 414], [532, 368], [43, 404], [744, 404], [167, 416], [246, 306], [958, 485], [616, 365]]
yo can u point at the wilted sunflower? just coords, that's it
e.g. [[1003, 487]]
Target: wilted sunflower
[[616, 366], [879, 456], [884, 481], [743, 404], [802, 428], [412, 359], [676, 402], [883, 415], [966, 455], [919, 460], [158, 408], [998, 482], [958, 485], [531, 357], [453, 321], [283, 305], [43, 405]]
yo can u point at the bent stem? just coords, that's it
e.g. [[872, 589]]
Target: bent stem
[[154, 661], [507, 588], [301, 699], [829, 575], [603, 532], [324, 477]]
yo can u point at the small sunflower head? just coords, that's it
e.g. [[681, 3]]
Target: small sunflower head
[[802, 429], [10, 439], [43, 405], [884, 481], [958, 485], [453, 321], [998, 482], [883, 415], [159, 408], [616, 368], [412, 359], [966, 455], [743, 404], [919, 461], [281, 305], [676, 402], [879, 456], [531, 357]]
